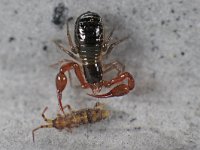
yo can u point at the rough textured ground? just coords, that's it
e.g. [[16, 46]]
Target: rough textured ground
[[163, 113]]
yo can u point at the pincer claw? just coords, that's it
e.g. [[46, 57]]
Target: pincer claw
[[119, 90]]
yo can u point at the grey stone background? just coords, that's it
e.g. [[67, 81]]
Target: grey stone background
[[162, 113]]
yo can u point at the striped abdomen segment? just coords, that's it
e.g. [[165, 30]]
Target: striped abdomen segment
[[90, 116]]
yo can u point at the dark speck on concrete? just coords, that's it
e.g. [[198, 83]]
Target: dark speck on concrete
[[162, 22], [154, 48], [178, 18], [168, 21], [174, 55], [11, 39], [161, 57], [15, 11], [45, 48], [60, 15], [184, 14], [152, 35], [190, 26], [172, 11], [120, 116], [102, 130], [133, 119], [182, 53], [195, 10], [152, 42], [153, 75], [137, 128], [30, 38], [134, 11], [175, 30], [165, 22]]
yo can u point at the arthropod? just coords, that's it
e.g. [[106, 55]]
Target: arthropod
[[75, 118], [91, 48]]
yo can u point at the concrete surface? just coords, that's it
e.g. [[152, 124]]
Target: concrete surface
[[163, 113]]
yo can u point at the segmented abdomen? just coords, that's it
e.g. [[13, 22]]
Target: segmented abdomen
[[89, 40], [89, 116]]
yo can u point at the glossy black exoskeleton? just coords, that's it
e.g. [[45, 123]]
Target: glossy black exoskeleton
[[89, 41], [92, 47]]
